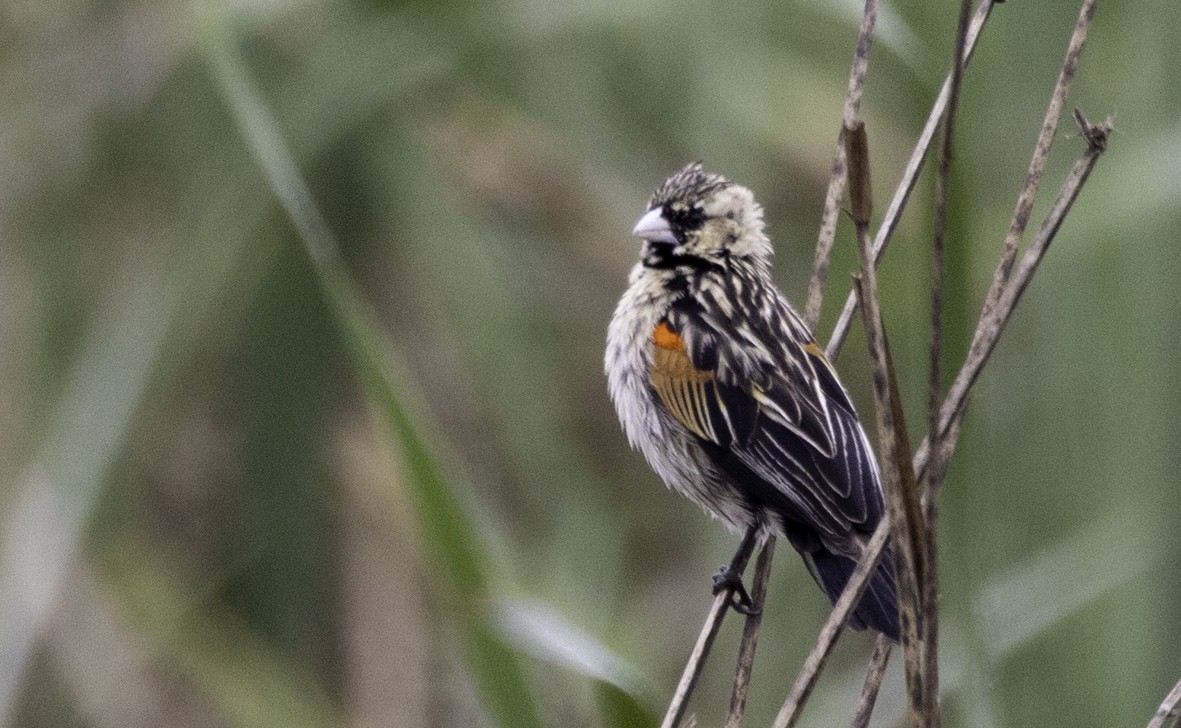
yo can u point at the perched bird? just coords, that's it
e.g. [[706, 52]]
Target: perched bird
[[719, 383]]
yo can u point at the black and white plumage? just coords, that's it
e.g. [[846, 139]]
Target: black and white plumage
[[719, 383]]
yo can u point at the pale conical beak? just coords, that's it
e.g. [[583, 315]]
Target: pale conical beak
[[653, 227]]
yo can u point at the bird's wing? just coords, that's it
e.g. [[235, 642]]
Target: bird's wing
[[786, 432]]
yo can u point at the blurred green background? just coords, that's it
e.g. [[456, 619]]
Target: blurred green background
[[302, 307]]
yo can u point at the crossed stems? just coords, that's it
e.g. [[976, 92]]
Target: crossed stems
[[1007, 288]]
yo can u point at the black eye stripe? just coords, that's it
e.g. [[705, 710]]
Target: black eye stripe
[[684, 218]]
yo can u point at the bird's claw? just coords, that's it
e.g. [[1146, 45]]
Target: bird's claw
[[740, 601]]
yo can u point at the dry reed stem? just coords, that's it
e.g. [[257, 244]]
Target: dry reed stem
[[750, 635], [1041, 152], [901, 492], [993, 322], [873, 682], [1169, 712], [836, 181], [909, 177], [955, 403], [938, 469], [709, 632], [814, 664]]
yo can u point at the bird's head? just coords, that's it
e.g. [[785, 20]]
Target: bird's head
[[703, 219]]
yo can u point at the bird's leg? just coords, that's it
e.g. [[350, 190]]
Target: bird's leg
[[729, 576]]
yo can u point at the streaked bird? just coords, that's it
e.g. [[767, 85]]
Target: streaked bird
[[719, 383]]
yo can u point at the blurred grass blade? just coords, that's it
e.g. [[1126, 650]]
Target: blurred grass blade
[[547, 635], [544, 633], [47, 514], [454, 560]]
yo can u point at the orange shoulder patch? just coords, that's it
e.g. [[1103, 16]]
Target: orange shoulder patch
[[688, 393], [664, 337]]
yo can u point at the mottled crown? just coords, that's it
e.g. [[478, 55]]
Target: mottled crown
[[690, 185]]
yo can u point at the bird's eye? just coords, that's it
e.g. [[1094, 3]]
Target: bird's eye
[[685, 217]]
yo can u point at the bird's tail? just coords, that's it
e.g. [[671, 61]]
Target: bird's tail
[[878, 608]]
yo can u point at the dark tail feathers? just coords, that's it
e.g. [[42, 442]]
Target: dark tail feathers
[[878, 608]]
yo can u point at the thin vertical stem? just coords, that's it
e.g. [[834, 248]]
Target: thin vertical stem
[[750, 634], [873, 681], [836, 181], [902, 503], [1041, 151], [793, 706], [938, 464], [709, 632], [909, 177]]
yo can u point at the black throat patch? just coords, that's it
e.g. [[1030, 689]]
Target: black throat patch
[[660, 256]]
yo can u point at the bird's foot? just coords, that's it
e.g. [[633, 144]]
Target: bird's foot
[[740, 601]]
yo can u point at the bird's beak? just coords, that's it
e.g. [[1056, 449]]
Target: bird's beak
[[653, 227]]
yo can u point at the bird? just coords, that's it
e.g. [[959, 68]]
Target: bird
[[717, 380]]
